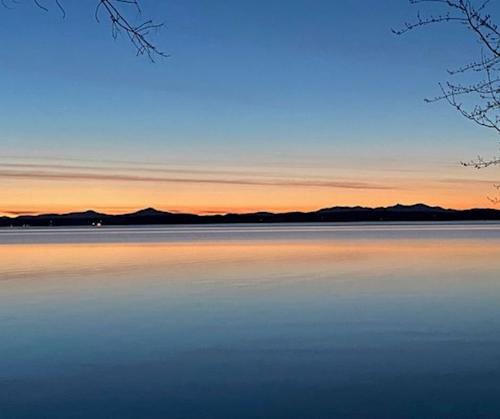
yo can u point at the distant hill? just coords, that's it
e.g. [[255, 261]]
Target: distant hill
[[417, 212]]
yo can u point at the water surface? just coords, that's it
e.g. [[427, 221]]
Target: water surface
[[263, 321]]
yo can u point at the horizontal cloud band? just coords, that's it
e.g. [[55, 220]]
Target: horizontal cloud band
[[62, 176]]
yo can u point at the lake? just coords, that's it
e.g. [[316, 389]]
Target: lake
[[251, 321]]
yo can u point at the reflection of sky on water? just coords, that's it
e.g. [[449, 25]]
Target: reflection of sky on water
[[401, 321]]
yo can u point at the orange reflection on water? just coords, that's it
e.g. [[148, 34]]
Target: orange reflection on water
[[229, 260]]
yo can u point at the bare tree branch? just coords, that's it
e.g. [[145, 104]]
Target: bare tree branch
[[117, 13], [474, 90], [478, 101], [137, 34]]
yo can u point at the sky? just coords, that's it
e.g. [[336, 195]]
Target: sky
[[261, 105]]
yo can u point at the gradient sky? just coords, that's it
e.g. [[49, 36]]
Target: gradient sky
[[262, 105]]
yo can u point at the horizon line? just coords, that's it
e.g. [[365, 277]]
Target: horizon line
[[13, 214]]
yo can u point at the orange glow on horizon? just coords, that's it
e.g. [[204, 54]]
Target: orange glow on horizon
[[303, 192]]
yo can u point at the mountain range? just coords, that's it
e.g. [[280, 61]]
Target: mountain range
[[417, 212]]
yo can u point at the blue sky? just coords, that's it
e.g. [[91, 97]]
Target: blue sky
[[301, 88]]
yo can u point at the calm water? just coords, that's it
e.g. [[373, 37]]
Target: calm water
[[278, 321]]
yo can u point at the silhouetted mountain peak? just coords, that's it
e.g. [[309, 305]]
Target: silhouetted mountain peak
[[148, 212], [414, 207], [82, 214], [89, 213], [343, 209]]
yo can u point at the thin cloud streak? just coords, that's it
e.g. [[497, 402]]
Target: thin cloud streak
[[468, 181], [16, 212], [48, 175], [96, 168]]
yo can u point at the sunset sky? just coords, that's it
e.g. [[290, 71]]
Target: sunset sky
[[262, 105]]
